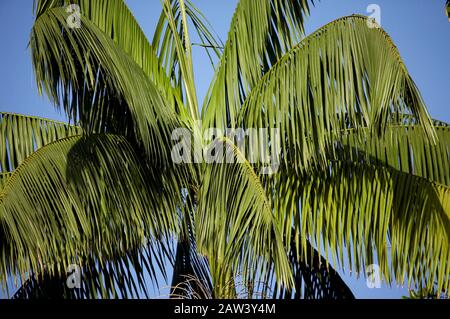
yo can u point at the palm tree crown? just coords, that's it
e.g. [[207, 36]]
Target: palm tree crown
[[362, 175]]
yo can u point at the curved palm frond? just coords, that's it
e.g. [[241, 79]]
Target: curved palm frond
[[345, 75], [82, 197], [355, 211], [260, 33], [183, 49], [404, 147], [114, 18], [22, 135], [235, 227], [91, 76]]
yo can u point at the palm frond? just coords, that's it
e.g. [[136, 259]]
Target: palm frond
[[3, 178], [82, 197], [22, 135], [114, 18], [313, 277], [98, 83], [235, 227], [345, 75], [173, 44], [404, 146], [172, 40], [363, 209], [260, 33], [125, 277]]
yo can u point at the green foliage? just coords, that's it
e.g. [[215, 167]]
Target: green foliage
[[81, 198], [363, 178], [23, 135]]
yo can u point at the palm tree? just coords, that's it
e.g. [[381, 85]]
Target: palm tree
[[363, 176]]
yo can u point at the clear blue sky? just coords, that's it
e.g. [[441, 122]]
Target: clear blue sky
[[419, 28]]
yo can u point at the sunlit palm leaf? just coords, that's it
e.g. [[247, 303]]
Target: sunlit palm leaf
[[172, 42], [117, 22], [92, 77], [362, 209], [235, 226], [346, 75], [21, 135], [177, 29], [260, 33]]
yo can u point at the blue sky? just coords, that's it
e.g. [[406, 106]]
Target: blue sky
[[419, 28]]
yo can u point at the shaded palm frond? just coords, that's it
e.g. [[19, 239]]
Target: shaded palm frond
[[260, 33], [82, 196], [191, 275], [404, 147], [313, 278], [3, 178], [345, 75], [355, 211], [22, 135], [125, 277], [235, 227], [98, 83]]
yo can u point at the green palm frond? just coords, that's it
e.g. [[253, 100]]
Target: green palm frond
[[21, 135], [235, 226], [173, 45], [356, 211], [163, 38], [330, 82], [404, 147], [3, 178], [364, 175], [81, 196], [314, 278], [117, 97], [260, 33], [182, 46], [117, 22]]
